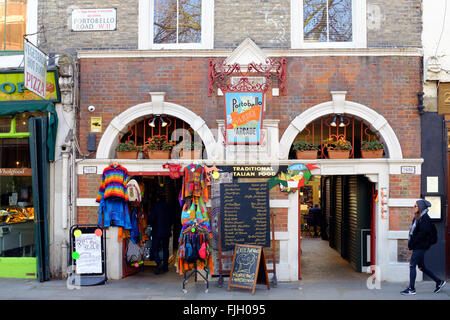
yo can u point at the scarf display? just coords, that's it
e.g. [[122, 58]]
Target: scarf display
[[194, 250]]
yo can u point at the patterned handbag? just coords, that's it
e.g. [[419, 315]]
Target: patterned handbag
[[134, 253]]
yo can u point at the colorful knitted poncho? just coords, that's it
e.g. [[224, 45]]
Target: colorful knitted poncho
[[114, 183]]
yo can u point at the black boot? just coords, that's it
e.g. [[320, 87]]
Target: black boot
[[165, 267], [158, 269]]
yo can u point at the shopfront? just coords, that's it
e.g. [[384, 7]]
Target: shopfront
[[27, 145], [296, 106]]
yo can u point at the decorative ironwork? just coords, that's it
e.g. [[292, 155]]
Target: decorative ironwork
[[219, 73]]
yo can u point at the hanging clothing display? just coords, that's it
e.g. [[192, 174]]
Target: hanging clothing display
[[114, 183], [209, 172], [174, 170], [114, 212], [194, 249], [112, 196], [133, 191], [194, 182]]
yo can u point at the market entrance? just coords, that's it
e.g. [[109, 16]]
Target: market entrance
[[336, 227], [142, 259]]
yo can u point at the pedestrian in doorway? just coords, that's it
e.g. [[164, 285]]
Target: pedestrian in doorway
[[161, 220], [419, 243], [315, 213]]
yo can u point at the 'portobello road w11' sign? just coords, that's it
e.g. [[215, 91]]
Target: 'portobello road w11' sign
[[94, 19]]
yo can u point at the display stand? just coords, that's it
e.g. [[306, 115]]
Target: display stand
[[194, 273], [226, 273]]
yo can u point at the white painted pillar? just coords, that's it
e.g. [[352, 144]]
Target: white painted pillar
[[114, 249]]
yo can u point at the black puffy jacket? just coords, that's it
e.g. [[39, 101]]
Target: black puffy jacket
[[420, 239]]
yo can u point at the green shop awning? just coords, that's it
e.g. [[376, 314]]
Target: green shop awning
[[15, 107]]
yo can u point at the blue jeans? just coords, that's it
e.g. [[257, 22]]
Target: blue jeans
[[418, 259]]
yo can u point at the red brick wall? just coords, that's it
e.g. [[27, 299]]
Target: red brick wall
[[281, 219], [388, 85], [88, 185], [404, 185], [400, 218], [87, 215]]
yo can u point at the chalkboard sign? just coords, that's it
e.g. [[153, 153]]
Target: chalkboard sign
[[88, 254], [245, 214], [248, 268]]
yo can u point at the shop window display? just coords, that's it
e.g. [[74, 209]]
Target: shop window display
[[16, 196]]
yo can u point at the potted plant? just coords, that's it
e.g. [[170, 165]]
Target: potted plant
[[127, 150], [338, 149], [191, 150], [157, 147], [305, 150], [372, 149]]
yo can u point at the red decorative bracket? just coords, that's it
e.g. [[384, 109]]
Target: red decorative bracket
[[219, 73]]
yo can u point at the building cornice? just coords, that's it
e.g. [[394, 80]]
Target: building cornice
[[377, 52]]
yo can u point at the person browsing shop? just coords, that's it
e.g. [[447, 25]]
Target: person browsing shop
[[161, 220], [419, 242]]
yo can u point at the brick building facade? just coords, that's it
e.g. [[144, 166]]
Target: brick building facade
[[377, 82]]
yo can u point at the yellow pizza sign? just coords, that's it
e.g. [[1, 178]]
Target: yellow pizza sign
[[12, 87]]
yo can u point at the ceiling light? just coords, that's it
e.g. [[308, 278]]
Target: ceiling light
[[333, 123]]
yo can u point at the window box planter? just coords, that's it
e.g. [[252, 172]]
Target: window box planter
[[306, 154], [372, 153], [338, 154], [158, 154], [127, 154]]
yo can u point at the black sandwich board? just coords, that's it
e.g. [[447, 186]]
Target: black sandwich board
[[248, 268]]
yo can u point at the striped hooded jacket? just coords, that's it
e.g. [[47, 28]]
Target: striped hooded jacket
[[114, 183]]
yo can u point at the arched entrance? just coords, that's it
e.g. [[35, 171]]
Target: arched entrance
[[119, 125], [339, 105], [377, 172]]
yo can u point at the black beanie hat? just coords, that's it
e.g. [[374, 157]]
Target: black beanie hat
[[423, 204]]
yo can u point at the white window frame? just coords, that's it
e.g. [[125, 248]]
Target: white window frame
[[146, 14], [359, 31]]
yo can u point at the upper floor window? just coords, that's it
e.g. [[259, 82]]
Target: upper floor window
[[328, 23], [13, 18], [176, 24]]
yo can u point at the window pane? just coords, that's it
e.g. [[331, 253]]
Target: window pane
[[16, 17], [315, 20], [189, 23], [5, 124], [340, 20], [16, 199], [165, 21]]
